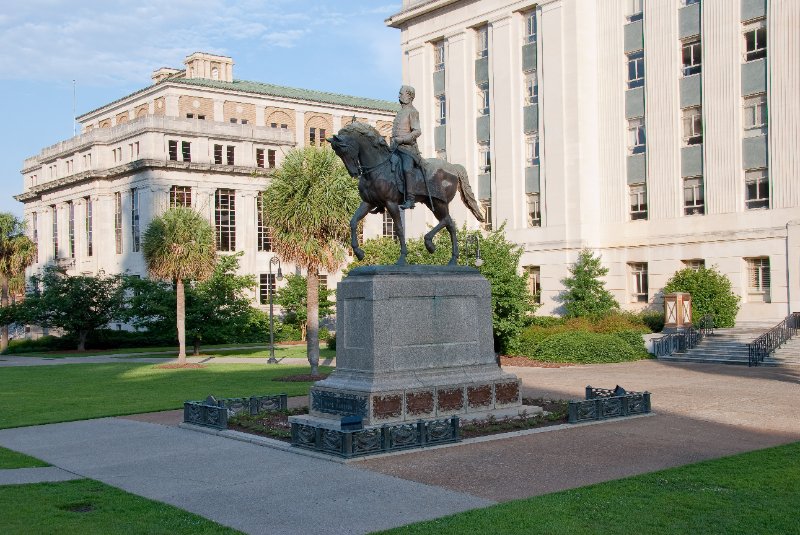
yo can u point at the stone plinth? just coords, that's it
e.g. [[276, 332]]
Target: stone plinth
[[413, 342]]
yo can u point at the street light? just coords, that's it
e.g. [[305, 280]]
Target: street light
[[475, 238], [271, 287]]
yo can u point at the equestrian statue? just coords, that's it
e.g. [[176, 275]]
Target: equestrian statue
[[394, 178]]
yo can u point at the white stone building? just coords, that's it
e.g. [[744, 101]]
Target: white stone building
[[658, 133], [195, 137]]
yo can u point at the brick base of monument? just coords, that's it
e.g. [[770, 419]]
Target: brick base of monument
[[414, 348]]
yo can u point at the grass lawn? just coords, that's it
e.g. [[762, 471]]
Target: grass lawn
[[285, 352], [755, 492], [46, 394], [125, 350], [12, 459], [90, 507]]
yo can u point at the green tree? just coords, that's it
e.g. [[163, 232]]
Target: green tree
[[585, 294], [78, 304], [711, 294], [179, 246], [307, 205], [292, 299], [17, 252], [511, 302]]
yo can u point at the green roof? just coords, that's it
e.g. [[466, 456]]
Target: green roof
[[292, 92]]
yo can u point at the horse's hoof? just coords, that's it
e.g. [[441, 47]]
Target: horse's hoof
[[359, 253], [430, 246]]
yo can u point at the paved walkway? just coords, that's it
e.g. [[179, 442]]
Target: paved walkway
[[703, 412]]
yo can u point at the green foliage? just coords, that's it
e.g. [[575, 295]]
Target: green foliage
[[179, 245], [586, 348], [77, 304], [292, 298], [12, 459], [511, 302], [654, 319], [635, 341], [711, 294], [585, 294], [332, 342]]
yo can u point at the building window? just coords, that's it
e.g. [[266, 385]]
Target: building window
[[35, 236], [186, 151], [180, 196], [218, 154], [639, 283], [266, 286], [438, 56], [638, 196], [534, 282], [225, 219], [441, 109], [233, 120], [312, 136], [264, 235], [692, 125], [54, 228], [230, 154], [173, 149], [756, 184], [755, 41], [71, 228], [483, 98], [135, 235], [693, 197], [89, 225], [758, 279], [486, 208], [271, 158], [484, 159], [134, 149], [530, 27], [695, 264], [388, 226], [118, 222], [691, 56], [637, 137], [636, 69], [259, 157], [531, 88], [534, 210], [634, 10], [531, 150], [689, 2], [482, 42], [755, 114]]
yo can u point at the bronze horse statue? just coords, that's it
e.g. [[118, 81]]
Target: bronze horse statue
[[367, 156]]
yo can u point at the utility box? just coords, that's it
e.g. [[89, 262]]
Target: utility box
[[677, 312]]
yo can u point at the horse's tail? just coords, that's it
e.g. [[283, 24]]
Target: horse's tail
[[465, 190]]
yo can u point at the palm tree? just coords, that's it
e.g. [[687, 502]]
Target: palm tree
[[17, 252], [179, 246], [307, 205]]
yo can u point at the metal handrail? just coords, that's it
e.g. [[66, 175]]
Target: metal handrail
[[683, 341], [761, 347]]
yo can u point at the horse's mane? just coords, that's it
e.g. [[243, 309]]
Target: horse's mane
[[366, 130]]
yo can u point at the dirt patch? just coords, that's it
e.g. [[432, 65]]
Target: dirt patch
[[188, 365], [301, 378], [525, 362]]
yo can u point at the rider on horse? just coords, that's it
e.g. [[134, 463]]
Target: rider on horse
[[405, 131]]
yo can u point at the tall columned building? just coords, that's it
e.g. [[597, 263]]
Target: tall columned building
[[195, 137], [662, 134]]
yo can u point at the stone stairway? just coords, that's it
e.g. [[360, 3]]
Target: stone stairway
[[729, 346]]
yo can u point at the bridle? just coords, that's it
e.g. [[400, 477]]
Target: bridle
[[363, 172]]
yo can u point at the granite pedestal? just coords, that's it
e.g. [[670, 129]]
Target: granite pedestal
[[414, 343]]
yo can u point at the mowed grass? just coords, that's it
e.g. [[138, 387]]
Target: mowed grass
[[34, 395], [89, 507], [755, 492], [284, 352], [168, 351], [10, 459]]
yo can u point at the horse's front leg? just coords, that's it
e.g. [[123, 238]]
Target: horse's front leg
[[360, 214], [394, 212]]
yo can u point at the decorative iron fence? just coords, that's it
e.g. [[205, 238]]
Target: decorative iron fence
[[761, 347], [214, 412], [685, 340], [602, 403]]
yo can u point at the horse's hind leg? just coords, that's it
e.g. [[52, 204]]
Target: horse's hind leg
[[394, 211], [442, 213], [360, 214]]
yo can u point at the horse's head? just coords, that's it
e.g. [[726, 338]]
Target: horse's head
[[347, 149]]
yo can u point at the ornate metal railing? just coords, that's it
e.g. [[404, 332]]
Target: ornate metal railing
[[771, 340], [213, 412], [602, 403], [685, 340]]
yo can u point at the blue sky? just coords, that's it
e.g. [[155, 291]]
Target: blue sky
[[111, 48]]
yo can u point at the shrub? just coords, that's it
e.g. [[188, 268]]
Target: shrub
[[618, 322], [653, 319], [545, 321], [586, 348], [585, 294], [635, 341], [711, 294], [332, 342]]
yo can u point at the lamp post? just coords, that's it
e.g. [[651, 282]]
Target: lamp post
[[475, 238], [271, 288]]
